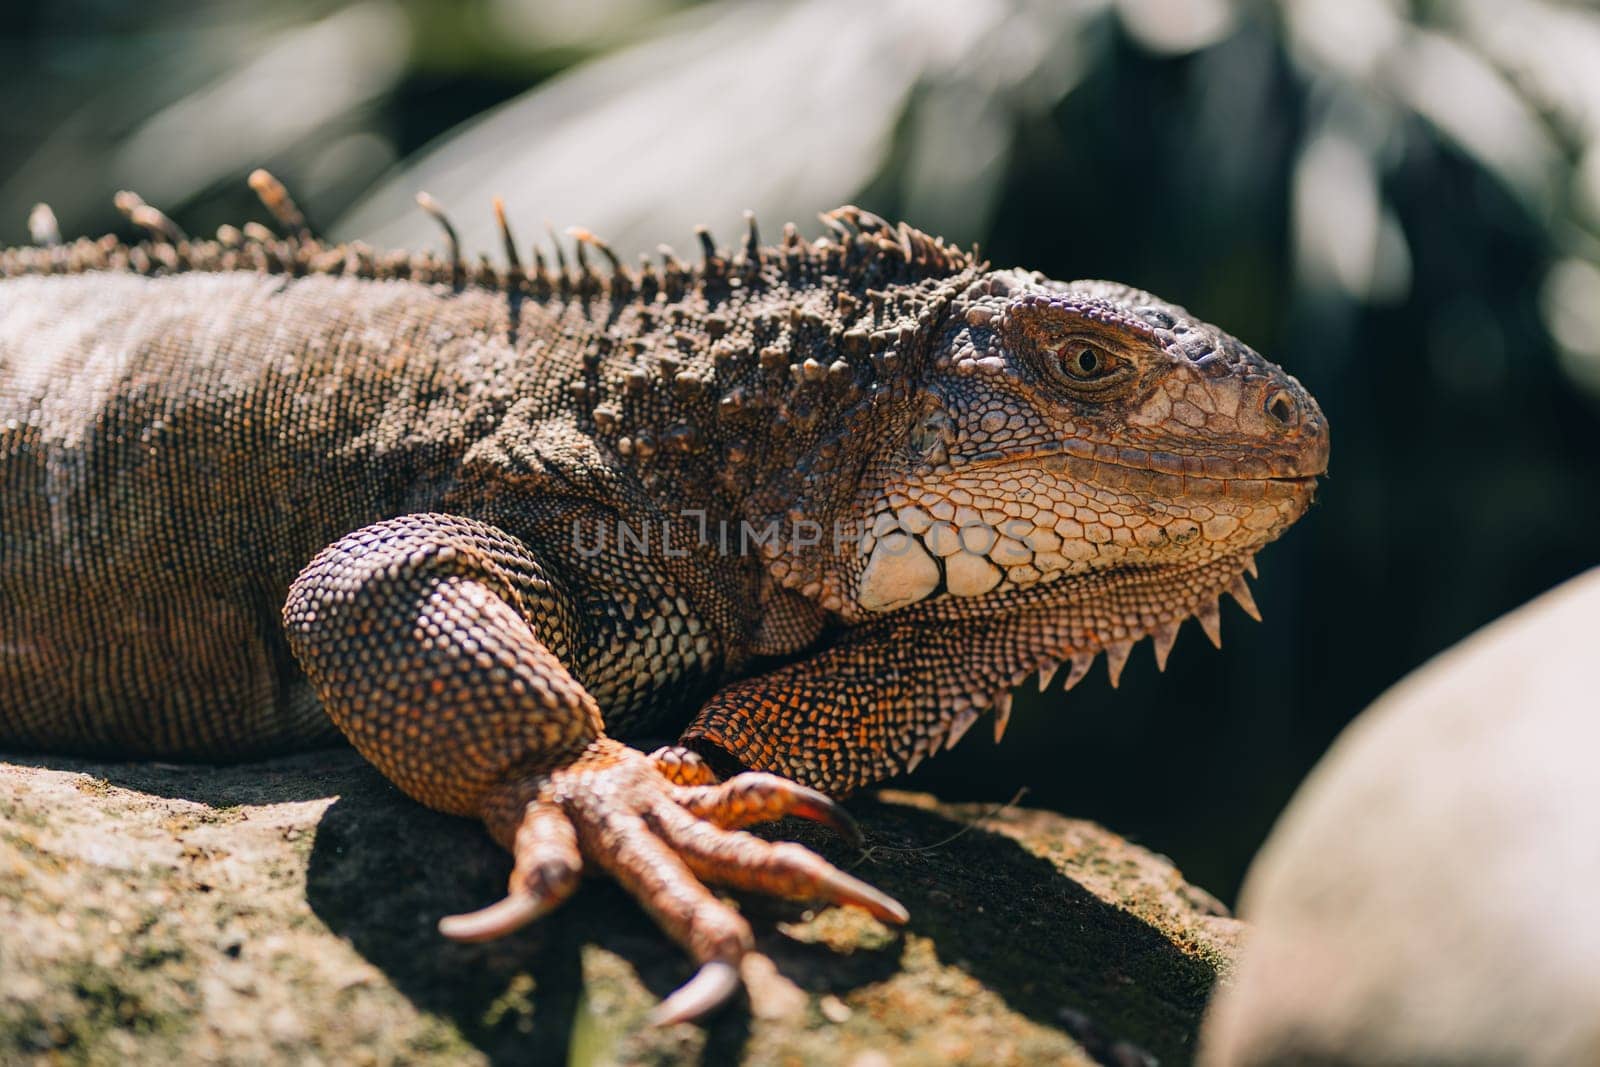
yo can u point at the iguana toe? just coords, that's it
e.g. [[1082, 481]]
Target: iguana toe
[[757, 797], [548, 867], [783, 869], [683, 766]]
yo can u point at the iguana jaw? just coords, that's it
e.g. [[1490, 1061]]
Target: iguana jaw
[[985, 540]]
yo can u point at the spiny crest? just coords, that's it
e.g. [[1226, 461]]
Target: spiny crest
[[1163, 635], [965, 706], [860, 246]]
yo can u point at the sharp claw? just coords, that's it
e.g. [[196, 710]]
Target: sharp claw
[[822, 809], [848, 889], [497, 920], [708, 990]]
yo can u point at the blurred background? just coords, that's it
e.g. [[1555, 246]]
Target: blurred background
[[1400, 202]]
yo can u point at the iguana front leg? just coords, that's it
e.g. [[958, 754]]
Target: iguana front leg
[[860, 711], [440, 645]]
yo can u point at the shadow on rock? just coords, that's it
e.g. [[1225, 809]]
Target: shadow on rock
[[1113, 965], [383, 870]]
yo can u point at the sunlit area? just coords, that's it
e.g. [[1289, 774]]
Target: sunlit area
[[1392, 205]]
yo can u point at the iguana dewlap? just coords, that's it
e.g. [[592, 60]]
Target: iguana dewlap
[[817, 505]]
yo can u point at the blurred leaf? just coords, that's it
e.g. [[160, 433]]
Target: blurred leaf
[[783, 108], [301, 81]]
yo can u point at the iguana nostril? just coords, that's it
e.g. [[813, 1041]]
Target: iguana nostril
[[1281, 406]]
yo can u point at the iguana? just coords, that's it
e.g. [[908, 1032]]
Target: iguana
[[825, 502]]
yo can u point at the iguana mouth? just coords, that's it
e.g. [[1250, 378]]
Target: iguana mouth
[[1246, 467]]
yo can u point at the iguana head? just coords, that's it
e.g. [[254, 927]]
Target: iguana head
[[1069, 429], [1076, 445]]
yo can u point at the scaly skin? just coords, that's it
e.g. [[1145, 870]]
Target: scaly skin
[[825, 502]]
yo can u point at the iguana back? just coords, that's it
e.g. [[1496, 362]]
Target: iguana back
[[173, 450]]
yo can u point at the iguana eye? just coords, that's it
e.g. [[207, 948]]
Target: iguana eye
[[1088, 368], [1086, 362]]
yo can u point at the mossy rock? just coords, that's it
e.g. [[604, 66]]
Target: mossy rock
[[285, 911]]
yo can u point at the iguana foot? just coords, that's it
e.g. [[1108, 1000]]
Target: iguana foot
[[617, 809]]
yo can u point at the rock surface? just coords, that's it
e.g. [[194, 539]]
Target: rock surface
[[284, 912], [1429, 895]]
